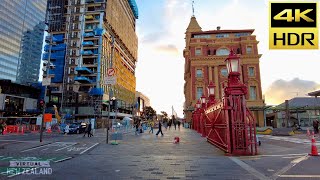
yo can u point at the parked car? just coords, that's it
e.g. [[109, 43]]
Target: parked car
[[77, 128]]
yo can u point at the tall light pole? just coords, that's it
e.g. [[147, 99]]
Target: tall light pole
[[48, 65]]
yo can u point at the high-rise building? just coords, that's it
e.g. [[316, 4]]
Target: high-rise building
[[89, 37], [21, 36], [205, 55]]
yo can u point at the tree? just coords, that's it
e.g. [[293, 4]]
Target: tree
[[164, 116], [149, 112]]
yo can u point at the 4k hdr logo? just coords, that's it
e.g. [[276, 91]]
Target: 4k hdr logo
[[293, 26]]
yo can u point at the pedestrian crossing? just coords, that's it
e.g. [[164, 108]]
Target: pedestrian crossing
[[290, 139]]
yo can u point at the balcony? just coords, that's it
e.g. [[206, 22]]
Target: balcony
[[87, 43], [89, 34], [98, 31], [89, 52], [82, 79], [83, 70], [89, 17]]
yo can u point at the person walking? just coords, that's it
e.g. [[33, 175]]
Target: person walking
[[179, 125], [66, 129], [151, 126], [160, 129], [86, 131], [89, 130], [2, 127], [137, 128], [316, 126]]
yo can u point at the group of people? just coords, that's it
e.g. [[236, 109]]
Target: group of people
[[139, 127]]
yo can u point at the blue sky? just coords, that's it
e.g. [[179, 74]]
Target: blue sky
[[161, 27]]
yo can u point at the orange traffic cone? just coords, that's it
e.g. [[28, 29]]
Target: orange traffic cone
[[308, 132], [314, 150]]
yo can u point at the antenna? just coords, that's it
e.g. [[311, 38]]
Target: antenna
[[192, 8]]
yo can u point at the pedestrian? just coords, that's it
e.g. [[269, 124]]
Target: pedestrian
[[160, 129], [151, 126], [2, 127], [86, 131], [137, 128], [66, 129], [89, 130], [169, 124], [179, 125], [316, 126], [175, 124]]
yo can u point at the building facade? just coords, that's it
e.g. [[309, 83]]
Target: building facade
[[91, 36], [205, 55], [21, 38], [142, 102]]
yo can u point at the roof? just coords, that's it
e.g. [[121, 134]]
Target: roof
[[193, 25], [314, 93], [224, 31], [301, 102]]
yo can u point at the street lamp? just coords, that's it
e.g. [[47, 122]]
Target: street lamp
[[203, 101], [48, 67], [211, 87], [234, 84], [233, 63], [198, 105]]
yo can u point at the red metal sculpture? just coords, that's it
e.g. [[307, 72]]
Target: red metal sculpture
[[227, 123]]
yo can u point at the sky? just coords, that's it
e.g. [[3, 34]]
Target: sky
[[161, 27]]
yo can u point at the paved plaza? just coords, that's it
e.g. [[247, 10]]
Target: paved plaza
[[147, 156]]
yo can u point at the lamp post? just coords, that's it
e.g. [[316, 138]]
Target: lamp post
[[235, 87], [211, 97], [48, 66], [203, 101], [196, 115]]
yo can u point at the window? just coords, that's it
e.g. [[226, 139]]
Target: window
[[199, 73], [198, 52], [223, 52], [251, 71], [224, 72], [249, 49], [199, 92], [222, 35], [209, 52], [253, 94]]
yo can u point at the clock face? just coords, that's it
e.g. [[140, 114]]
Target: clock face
[[223, 52]]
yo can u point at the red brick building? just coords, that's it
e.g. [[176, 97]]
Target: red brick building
[[205, 55]]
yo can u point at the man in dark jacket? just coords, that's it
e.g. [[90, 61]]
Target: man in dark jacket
[[160, 129], [316, 126]]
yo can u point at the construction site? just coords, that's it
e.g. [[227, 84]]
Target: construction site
[[85, 39]]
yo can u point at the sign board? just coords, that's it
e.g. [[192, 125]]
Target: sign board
[[47, 118], [111, 80], [46, 81], [111, 72]]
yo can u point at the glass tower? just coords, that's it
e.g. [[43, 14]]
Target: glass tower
[[21, 39]]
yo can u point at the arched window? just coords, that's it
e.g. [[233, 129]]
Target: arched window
[[209, 52], [214, 52], [223, 52]]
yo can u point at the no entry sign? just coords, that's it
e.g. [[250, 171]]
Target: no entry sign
[[111, 72]]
